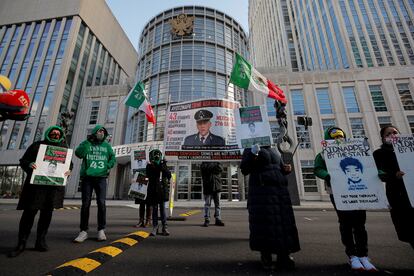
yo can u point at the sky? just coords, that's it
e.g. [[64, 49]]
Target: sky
[[133, 15]]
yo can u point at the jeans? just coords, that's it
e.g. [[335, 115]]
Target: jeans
[[207, 205], [155, 214], [88, 185], [353, 233]]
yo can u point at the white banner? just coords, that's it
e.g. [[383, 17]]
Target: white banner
[[201, 130], [253, 127], [354, 175], [51, 164], [404, 150]]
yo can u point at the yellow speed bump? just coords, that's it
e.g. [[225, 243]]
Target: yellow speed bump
[[140, 233], [84, 264], [127, 241], [109, 250]]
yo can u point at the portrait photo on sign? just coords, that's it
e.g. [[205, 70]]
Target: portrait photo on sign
[[138, 160]]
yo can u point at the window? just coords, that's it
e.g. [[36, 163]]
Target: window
[[111, 112], [411, 122], [298, 102], [377, 98], [324, 101], [326, 123], [357, 128], [350, 99], [275, 129], [271, 111], [303, 136], [309, 180], [384, 121], [93, 118], [405, 96]]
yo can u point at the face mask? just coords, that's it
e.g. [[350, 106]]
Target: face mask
[[100, 136]]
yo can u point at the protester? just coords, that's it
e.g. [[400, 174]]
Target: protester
[[38, 197], [271, 219], [144, 207], [210, 174], [351, 223], [402, 213], [158, 190], [97, 160]]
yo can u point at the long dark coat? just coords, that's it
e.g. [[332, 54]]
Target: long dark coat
[[210, 173], [158, 183], [402, 214], [38, 196], [271, 219]]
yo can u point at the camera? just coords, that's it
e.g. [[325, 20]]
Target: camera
[[304, 121]]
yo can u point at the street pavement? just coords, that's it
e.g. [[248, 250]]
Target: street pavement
[[192, 249]]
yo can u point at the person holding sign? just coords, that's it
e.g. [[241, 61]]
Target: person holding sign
[[158, 185], [204, 137], [351, 223], [38, 197], [97, 160], [402, 214], [271, 219]]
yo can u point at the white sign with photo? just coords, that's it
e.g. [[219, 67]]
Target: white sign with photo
[[354, 175], [201, 130], [404, 151], [253, 127], [51, 164], [138, 190], [138, 160]]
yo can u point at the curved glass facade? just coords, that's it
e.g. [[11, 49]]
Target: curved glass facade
[[182, 68]]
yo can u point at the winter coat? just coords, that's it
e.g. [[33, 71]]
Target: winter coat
[[40, 196], [98, 157], [158, 182], [271, 219], [402, 214], [210, 173]]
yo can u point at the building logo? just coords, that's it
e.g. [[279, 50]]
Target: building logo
[[182, 25]]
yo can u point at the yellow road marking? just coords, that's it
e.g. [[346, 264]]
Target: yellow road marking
[[128, 241], [109, 250], [140, 233], [84, 264], [189, 213]]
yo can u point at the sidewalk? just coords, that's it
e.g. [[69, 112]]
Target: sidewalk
[[304, 205]]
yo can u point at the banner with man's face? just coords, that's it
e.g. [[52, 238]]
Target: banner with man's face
[[201, 130], [354, 175]]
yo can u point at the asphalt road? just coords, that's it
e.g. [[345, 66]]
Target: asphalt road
[[192, 249]]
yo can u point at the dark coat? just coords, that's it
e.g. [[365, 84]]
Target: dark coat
[[271, 219], [402, 214], [212, 140], [158, 190], [38, 196], [210, 173]]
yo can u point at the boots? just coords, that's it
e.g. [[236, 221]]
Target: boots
[[140, 223], [148, 216], [40, 244], [21, 246], [165, 230], [154, 231]]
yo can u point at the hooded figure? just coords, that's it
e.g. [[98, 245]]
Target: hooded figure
[[98, 158], [351, 223], [158, 189], [38, 197]]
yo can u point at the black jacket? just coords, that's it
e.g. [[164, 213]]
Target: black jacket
[[38, 196], [158, 190], [271, 219], [210, 173], [212, 140]]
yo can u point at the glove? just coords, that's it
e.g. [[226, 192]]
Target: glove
[[255, 149]]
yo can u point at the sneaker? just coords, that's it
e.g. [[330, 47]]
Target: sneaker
[[154, 231], [368, 266], [355, 263], [219, 222], [83, 235], [101, 235], [206, 223], [165, 231]]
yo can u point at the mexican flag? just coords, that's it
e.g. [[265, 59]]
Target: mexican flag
[[137, 98], [244, 75]]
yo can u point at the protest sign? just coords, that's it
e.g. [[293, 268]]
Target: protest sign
[[253, 127], [52, 162], [138, 190], [404, 150], [201, 130], [354, 175], [138, 161]]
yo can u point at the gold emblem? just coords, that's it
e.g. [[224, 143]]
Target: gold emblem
[[182, 25]]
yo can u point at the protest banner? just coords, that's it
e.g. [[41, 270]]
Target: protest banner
[[138, 190], [354, 175], [138, 161], [253, 127], [52, 162], [404, 151], [201, 130]]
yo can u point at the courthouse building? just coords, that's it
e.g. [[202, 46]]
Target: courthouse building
[[348, 63], [54, 50]]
